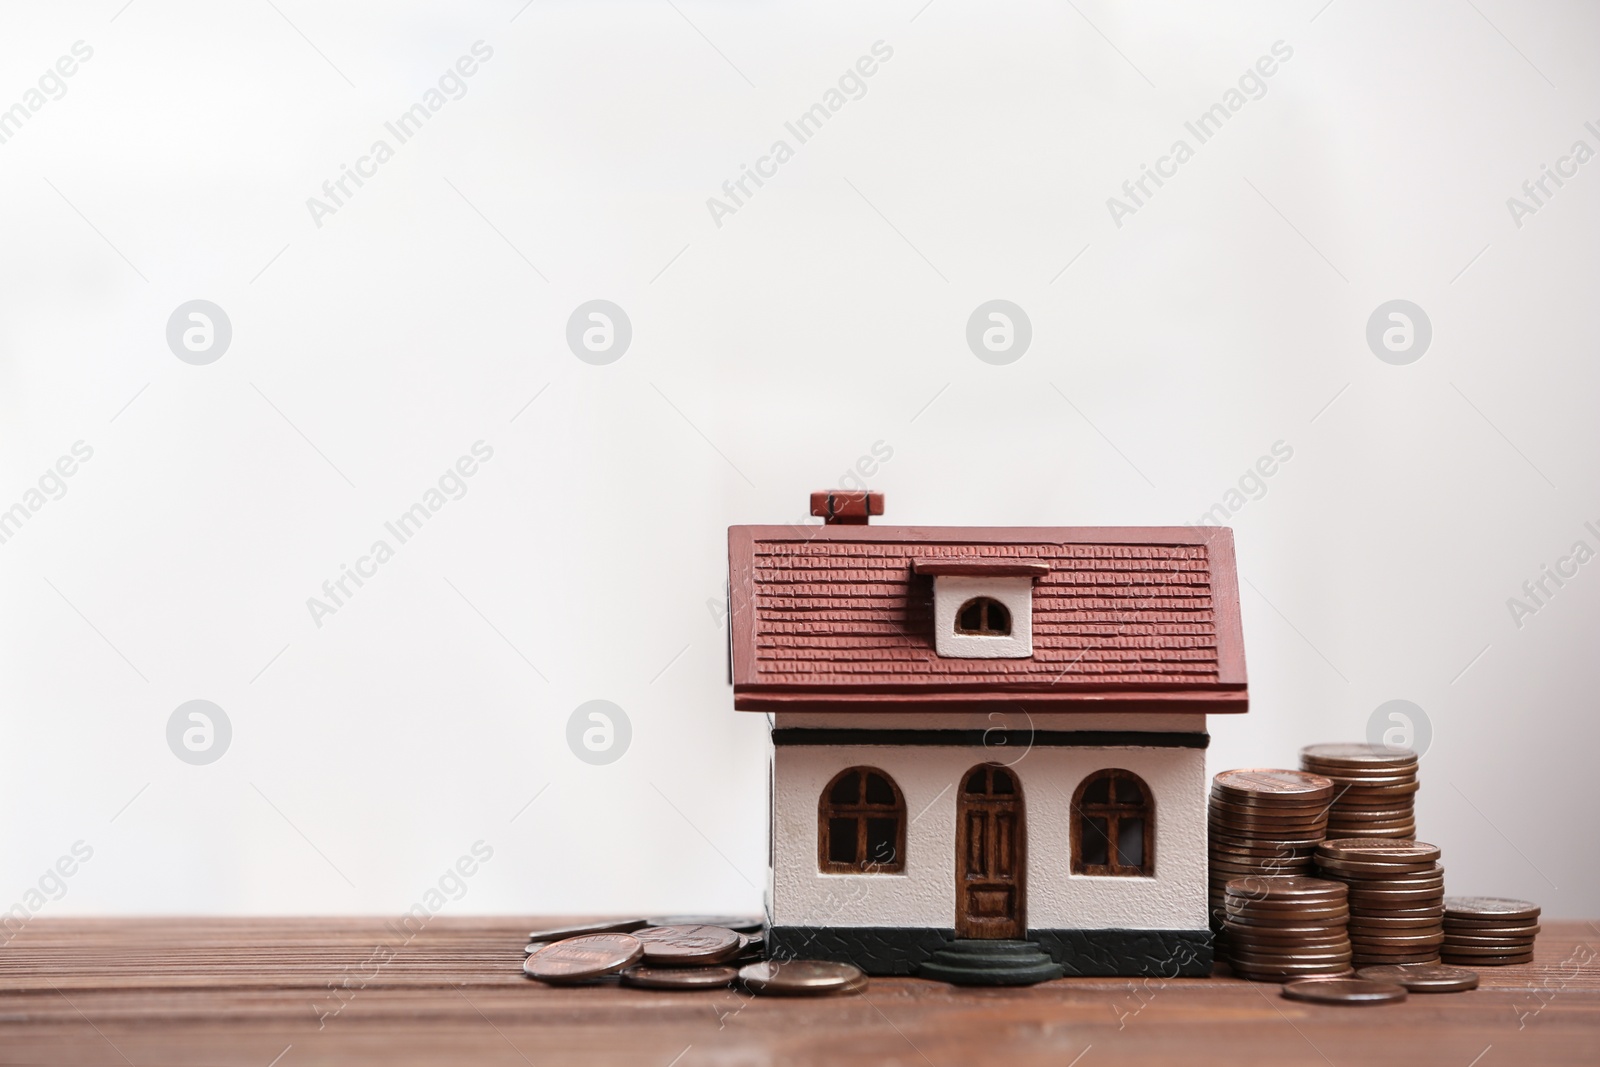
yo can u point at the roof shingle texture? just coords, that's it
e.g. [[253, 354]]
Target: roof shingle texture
[[840, 612]]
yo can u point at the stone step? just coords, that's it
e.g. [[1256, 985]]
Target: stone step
[[981, 962]]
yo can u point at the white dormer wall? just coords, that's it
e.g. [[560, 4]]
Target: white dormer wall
[[950, 591]]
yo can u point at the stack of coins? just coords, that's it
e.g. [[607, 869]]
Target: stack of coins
[[1376, 788], [1489, 931], [1264, 822], [1396, 897], [1280, 927]]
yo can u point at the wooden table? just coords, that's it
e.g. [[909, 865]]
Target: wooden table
[[295, 992]]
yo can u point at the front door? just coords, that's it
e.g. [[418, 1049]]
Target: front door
[[989, 855]]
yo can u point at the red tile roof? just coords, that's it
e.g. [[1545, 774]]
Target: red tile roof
[[1126, 618]]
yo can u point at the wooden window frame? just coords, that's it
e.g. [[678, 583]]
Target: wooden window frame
[[1113, 812], [983, 603], [859, 812]]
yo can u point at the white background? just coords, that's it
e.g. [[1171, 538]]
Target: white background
[[769, 354]]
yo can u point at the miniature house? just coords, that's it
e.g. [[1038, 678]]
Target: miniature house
[[986, 735]]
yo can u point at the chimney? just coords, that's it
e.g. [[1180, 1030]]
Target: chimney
[[846, 507]]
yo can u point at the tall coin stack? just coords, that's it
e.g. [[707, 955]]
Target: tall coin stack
[[1278, 928], [1396, 897], [1263, 822], [1375, 788]]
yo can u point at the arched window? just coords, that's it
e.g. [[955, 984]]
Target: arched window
[[1113, 825], [984, 617], [861, 824]]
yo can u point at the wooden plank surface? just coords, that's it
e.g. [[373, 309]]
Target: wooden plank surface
[[296, 992]]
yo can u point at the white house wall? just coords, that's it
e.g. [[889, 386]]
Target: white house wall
[[929, 778]]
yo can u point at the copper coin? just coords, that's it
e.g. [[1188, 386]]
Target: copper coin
[[578, 958], [687, 946], [1291, 962], [1293, 887], [1476, 930], [1273, 941], [1487, 961], [1344, 991], [1381, 851], [646, 977], [1511, 941], [1399, 942], [1456, 948], [1288, 974], [1277, 782], [1368, 925], [561, 933], [741, 923], [802, 978], [1490, 908], [1359, 755]]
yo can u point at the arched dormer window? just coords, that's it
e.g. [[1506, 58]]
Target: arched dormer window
[[861, 824], [983, 617]]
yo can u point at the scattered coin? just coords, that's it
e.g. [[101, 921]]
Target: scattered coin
[[1344, 991], [741, 923], [646, 977], [802, 978], [685, 946], [535, 946], [577, 959], [559, 933]]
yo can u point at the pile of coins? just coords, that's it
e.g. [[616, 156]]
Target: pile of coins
[[1276, 928], [1489, 931], [1396, 897], [1376, 788], [1264, 822], [679, 952]]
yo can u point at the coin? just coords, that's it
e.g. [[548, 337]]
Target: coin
[[1486, 961], [1344, 991], [802, 978], [1398, 851], [578, 958], [741, 923], [683, 946], [535, 946], [1278, 782], [560, 933], [1490, 908], [646, 977], [1455, 929], [1518, 942], [1359, 755]]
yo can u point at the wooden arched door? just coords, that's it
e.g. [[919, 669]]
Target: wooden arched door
[[990, 855]]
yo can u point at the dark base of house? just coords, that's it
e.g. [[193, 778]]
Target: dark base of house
[[885, 950]]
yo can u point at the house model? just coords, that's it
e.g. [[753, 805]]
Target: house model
[[988, 744]]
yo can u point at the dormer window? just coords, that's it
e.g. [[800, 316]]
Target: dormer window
[[982, 605], [985, 617]]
